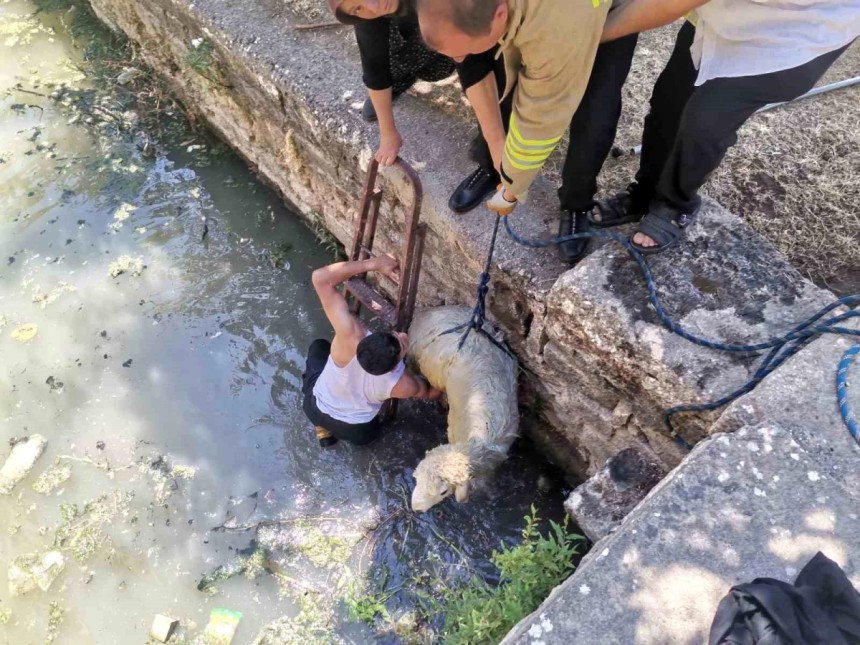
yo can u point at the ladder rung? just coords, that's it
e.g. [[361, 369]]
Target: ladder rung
[[371, 299]]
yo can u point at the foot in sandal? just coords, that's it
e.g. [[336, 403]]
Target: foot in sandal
[[663, 227], [626, 206]]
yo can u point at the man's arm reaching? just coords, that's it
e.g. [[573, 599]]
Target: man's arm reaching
[[328, 278], [641, 15], [412, 387]]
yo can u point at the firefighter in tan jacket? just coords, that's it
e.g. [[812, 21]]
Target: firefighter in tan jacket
[[548, 48]]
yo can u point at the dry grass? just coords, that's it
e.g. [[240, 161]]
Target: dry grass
[[794, 175]]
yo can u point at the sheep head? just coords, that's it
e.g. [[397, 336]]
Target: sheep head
[[444, 471]]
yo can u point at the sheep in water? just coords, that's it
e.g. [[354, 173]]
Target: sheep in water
[[480, 381]]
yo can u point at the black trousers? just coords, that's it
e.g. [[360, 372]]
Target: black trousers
[[687, 132], [592, 128], [689, 129], [356, 433]]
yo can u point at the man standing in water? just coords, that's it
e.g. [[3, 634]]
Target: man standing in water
[[347, 380]]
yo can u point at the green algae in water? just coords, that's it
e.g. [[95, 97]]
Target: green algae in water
[[314, 625], [82, 529], [5, 615], [53, 478], [323, 550], [252, 566], [56, 614], [21, 30]]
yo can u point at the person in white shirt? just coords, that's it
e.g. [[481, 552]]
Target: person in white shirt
[[346, 381], [731, 58]]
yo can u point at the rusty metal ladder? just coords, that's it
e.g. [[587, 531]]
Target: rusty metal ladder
[[357, 290]]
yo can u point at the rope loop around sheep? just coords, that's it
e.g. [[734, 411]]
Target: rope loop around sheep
[[479, 312], [779, 348]]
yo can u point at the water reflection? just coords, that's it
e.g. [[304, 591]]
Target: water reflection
[[188, 374]]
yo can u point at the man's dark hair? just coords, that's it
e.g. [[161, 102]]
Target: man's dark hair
[[472, 17], [378, 353]]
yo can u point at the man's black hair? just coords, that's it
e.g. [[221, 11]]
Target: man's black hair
[[378, 353]]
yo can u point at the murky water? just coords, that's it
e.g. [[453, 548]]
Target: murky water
[[171, 391]]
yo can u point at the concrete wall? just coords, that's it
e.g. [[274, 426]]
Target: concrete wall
[[778, 481], [599, 369]]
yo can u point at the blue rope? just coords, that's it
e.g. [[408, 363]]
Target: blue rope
[[781, 347], [842, 391]]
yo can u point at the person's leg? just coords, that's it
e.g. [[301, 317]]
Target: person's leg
[[714, 113], [358, 434], [671, 92], [361, 434], [592, 128], [592, 131], [318, 354], [484, 179], [708, 128], [668, 97]]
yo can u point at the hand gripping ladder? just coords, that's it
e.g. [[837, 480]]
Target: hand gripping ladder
[[358, 291]]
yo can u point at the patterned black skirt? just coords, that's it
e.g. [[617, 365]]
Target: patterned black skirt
[[412, 61]]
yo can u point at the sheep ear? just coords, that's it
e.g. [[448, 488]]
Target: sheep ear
[[461, 492]]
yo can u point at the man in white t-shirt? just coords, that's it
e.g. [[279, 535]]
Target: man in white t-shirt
[[346, 382]]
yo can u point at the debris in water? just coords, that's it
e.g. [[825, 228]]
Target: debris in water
[[25, 332], [44, 299], [100, 445], [35, 571], [163, 627], [165, 477], [21, 461], [127, 363], [120, 215], [127, 75], [82, 529], [184, 472], [54, 384], [313, 624], [222, 626], [252, 561], [126, 264], [55, 619], [144, 144], [53, 478]]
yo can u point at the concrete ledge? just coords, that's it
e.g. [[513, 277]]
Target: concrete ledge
[[759, 502], [600, 370]]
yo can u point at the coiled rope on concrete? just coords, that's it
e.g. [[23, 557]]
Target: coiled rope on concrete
[[781, 348]]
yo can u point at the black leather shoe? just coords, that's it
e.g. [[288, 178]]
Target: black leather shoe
[[473, 189], [573, 222], [368, 112]]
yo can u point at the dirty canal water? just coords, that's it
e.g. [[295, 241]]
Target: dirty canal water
[[154, 311]]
